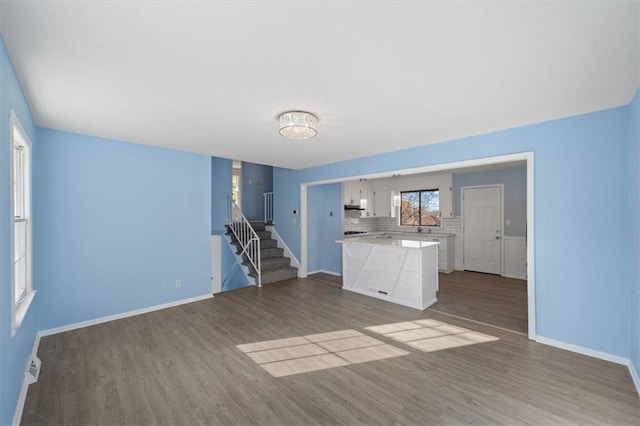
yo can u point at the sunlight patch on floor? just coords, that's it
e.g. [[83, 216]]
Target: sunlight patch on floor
[[430, 335], [295, 355]]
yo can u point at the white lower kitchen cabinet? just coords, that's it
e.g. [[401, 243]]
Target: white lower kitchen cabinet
[[446, 252]]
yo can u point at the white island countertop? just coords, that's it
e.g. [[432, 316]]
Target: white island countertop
[[397, 268], [395, 241]]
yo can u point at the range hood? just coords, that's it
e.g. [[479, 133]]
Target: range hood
[[352, 207]]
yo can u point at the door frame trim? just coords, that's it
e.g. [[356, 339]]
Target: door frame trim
[[495, 185], [527, 156]]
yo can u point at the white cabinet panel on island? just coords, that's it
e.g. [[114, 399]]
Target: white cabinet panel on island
[[402, 271]]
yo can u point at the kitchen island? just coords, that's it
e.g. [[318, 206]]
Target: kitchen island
[[394, 268]]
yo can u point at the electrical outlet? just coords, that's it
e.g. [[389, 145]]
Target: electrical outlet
[[178, 283]]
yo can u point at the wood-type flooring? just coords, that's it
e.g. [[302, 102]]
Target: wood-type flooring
[[487, 298], [182, 366]]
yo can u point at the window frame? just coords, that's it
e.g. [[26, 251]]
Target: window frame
[[21, 213], [236, 172], [420, 207]]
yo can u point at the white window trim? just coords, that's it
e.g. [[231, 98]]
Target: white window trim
[[431, 228], [19, 310]]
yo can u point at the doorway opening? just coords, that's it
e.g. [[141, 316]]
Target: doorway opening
[[236, 183], [491, 284], [511, 280]]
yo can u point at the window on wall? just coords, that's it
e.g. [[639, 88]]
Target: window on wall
[[420, 208], [236, 185], [21, 178]]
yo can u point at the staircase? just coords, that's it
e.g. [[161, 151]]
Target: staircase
[[273, 264]]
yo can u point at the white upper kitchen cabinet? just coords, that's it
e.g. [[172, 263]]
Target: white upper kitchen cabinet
[[383, 203], [366, 198], [350, 193], [359, 193], [443, 182]]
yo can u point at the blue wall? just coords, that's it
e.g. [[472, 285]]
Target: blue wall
[[634, 230], [286, 200], [325, 229], [515, 195], [582, 291], [221, 169], [117, 224], [13, 351], [256, 180]]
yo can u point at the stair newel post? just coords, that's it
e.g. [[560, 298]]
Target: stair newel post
[[257, 256]]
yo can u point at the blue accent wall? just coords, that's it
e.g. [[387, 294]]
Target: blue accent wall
[[117, 224], [221, 171], [256, 180], [515, 195], [582, 290], [286, 200], [14, 351], [634, 231], [324, 218]]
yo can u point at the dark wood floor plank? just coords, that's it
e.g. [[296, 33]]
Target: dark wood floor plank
[[181, 366], [487, 298]]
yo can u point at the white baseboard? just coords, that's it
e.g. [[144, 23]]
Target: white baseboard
[[17, 414], [515, 277], [101, 320], [634, 376], [287, 252], [324, 271], [584, 351]]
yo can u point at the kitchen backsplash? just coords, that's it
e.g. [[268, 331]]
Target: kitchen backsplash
[[365, 224], [452, 225], [388, 224]]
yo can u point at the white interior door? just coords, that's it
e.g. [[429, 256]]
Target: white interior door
[[482, 220]]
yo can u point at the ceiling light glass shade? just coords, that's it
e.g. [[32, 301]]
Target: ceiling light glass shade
[[298, 125]]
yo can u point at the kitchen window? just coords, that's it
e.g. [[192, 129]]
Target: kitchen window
[[22, 290], [420, 208]]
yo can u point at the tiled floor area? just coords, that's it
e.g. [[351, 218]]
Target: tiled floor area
[[295, 355]]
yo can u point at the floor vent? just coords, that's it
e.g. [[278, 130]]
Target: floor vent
[[33, 370]]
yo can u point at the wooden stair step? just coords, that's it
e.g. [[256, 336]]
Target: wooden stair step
[[268, 253], [276, 275], [271, 263]]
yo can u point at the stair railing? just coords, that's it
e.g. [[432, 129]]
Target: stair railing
[[247, 237], [268, 207]]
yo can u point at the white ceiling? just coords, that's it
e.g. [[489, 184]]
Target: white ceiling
[[212, 77]]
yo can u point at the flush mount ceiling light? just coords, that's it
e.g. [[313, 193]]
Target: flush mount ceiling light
[[298, 125]]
